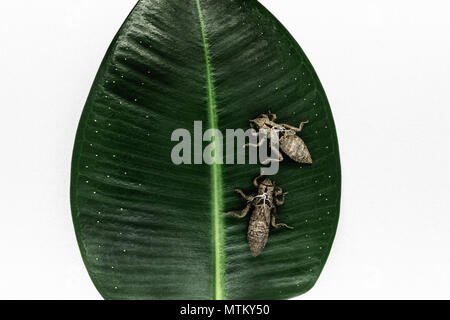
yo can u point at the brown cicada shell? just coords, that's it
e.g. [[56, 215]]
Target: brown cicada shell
[[290, 143], [263, 206]]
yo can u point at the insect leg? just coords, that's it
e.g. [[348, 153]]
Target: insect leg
[[273, 116], [248, 198], [278, 191], [255, 181], [243, 213], [277, 225], [280, 202], [256, 145], [300, 127], [280, 157]]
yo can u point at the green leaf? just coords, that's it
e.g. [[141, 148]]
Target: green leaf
[[149, 229]]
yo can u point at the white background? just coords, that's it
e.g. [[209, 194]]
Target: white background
[[385, 66]]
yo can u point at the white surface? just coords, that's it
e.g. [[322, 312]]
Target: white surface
[[385, 66]]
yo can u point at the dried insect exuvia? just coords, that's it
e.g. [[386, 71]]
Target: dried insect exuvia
[[291, 144], [264, 204]]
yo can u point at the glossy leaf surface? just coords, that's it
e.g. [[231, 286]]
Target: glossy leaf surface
[[150, 229]]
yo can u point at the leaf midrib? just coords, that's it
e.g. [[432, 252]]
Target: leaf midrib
[[216, 174]]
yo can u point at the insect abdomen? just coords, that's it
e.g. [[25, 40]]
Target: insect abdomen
[[296, 149], [258, 233]]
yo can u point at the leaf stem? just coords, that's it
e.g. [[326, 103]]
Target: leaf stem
[[216, 174]]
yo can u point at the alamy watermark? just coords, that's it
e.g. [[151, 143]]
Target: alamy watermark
[[208, 147]]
